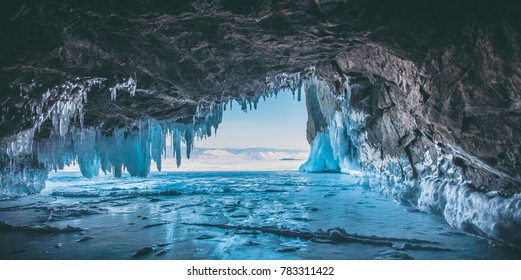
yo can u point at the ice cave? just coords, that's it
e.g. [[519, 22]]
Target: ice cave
[[410, 112]]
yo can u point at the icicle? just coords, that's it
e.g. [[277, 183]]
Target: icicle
[[244, 106], [177, 148], [133, 85], [113, 93], [189, 138], [21, 144], [157, 140]]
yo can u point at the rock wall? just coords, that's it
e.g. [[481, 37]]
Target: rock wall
[[371, 129]]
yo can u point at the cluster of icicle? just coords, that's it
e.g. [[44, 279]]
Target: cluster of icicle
[[131, 149], [61, 105], [129, 85], [292, 81]]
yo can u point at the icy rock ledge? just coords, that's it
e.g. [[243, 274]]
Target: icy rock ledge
[[486, 214]]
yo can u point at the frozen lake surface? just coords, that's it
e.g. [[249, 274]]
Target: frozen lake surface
[[226, 215]]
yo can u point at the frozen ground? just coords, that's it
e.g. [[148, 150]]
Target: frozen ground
[[226, 215]]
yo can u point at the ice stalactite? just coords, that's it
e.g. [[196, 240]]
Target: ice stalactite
[[63, 104], [20, 171], [285, 80], [292, 81], [338, 135], [20, 144]]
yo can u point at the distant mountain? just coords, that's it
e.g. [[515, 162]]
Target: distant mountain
[[248, 153], [236, 159]]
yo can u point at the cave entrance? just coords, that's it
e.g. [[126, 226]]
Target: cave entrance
[[270, 137]]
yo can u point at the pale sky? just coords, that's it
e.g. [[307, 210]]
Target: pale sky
[[279, 122]]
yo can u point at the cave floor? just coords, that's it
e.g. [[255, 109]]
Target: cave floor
[[226, 215]]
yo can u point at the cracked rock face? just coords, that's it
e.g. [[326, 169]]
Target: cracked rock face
[[436, 75]]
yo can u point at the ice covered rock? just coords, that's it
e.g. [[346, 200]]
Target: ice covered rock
[[333, 130], [441, 181], [26, 177]]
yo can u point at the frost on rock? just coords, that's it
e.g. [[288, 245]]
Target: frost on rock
[[63, 104], [433, 183], [129, 85]]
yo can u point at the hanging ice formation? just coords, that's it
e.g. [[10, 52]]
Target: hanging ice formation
[[131, 149], [20, 172], [93, 150]]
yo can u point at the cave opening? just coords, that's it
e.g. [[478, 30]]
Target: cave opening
[[266, 135]]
